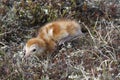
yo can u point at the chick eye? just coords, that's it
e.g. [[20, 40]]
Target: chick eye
[[33, 50]]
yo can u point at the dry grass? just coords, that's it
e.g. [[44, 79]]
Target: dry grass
[[96, 56]]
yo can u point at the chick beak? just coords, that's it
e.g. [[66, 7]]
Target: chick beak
[[26, 55]]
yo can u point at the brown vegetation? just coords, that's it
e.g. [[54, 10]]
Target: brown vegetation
[[95, 56]]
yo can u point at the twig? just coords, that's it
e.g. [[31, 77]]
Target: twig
[[2, 43], [6, 33], [89, 33], [12, 73], [9, 32]]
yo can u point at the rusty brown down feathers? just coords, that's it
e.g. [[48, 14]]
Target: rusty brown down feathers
[[52, 34]]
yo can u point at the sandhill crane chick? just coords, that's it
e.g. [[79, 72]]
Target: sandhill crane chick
[[51, 35]]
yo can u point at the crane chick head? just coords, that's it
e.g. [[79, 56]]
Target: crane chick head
[[34, 46]]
